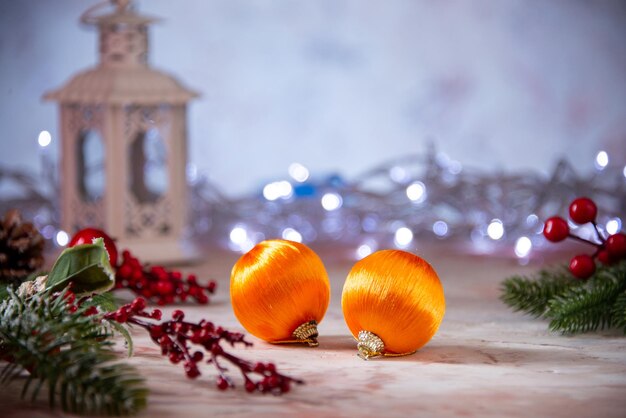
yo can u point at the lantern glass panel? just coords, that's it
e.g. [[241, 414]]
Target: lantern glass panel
[[148, 167], [91, 165]]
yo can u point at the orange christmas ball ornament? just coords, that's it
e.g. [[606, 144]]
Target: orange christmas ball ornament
[[393, 303], [280, 292]]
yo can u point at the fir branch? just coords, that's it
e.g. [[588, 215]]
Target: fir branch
[[533, 294], [572, 306], [588, 307], [619, 311], [69, 353]]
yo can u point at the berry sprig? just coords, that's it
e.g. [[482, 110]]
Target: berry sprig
[[154, 283], [609, 249], [159, 284], [176, 337]]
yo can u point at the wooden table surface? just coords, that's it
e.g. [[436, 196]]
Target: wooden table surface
[[485, 361]]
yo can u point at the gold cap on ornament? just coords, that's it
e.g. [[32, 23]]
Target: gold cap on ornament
[[370, 345], [305, 333]]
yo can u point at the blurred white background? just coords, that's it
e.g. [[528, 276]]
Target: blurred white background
[[342, 85]]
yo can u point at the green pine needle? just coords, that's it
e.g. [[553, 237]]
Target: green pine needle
[[532, 295], [619, 311], [69, 354], [572, 306]]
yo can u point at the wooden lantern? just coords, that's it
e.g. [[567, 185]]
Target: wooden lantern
[[124, 146]]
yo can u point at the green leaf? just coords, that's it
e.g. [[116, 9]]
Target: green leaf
[[86, 267], [105, 301]]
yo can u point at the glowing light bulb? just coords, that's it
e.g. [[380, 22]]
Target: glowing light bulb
[[398, 174], [495, 230], [363, 251], [613, 226], [416, 192], [403, 236], [440, 228], [270, 192], [278, 189], [286, 189], [292, 235], [44, 139], [298, 172], [523, 245], [47, 231], [455, 167], [602, 160], [238, 235], [532, 219], [62, 238], [331, 201]]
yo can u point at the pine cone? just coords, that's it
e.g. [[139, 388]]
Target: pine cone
[[21, 248]]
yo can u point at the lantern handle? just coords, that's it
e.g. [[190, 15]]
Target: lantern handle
[[88, 17]]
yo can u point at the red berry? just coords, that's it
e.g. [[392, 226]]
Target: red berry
[[164, 287], [165, 341], [582, 266], [259, 368], [202, 299], [616, 245], [191, 370], [124, 271], [222, 384], [605, 258], [583, 210], [70, 297], [250, 386], [556, 229], [156, 331], [87, 235], [138, 305], [92, 310], [273, 381], [211, 286], [178, 315], [121, 316], [137, 274], [197, 356]]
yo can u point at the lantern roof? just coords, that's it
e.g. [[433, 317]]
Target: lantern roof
[[140, 85], [123, 75]]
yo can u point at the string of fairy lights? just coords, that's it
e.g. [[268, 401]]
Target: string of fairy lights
[[410, 203], [407, 203]]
